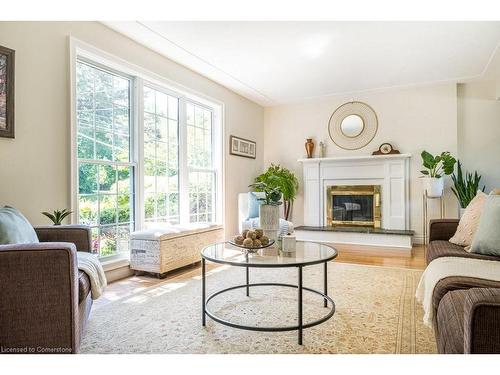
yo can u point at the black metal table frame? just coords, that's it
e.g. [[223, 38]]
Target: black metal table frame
[[300, 326]]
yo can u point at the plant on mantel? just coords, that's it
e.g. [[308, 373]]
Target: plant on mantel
[[285, 180], [465, 189], [435, 167]]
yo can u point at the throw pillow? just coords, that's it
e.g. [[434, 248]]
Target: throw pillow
[[487, 238], [15, 228], [469, 221], [254, 204]]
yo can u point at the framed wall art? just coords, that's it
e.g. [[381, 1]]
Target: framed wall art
[[6, 92], [242, 147]]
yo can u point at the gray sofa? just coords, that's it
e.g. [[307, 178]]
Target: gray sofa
[[466, 309]]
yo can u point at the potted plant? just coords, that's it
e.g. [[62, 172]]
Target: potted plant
[[269, 214], [57, 216], [465, 189], [435, 168], [277, 176]]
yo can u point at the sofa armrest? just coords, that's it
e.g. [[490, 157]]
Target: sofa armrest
[[442, 229], [39, 298], [482, 321], [80, 235], [451, 283]]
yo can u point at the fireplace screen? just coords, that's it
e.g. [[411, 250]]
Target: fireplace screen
[[354, 205]]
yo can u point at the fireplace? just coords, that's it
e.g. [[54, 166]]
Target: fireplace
[[354, 205]]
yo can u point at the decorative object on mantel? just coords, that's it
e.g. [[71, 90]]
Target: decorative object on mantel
[[242, 147], [269, 213], [353, 125], [435, 168], [58, 215], [465, 189], [322, 149], [309, 147], [385, 149], [7, 57]]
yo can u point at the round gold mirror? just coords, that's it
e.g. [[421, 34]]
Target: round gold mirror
[[352, 126]]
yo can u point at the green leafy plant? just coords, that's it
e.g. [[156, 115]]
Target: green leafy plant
[[437, 166], [277, 176], [57, 216], [466, 188], [272, 194]]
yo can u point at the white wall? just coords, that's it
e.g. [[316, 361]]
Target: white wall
[[411, 119], [35, 166], [479, 130]]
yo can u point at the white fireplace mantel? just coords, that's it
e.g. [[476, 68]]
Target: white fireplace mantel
[[391, 172]]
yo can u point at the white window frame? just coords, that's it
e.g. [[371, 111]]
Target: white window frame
[[141, 77]]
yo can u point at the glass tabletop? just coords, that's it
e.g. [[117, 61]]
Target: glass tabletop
[[307, 253]]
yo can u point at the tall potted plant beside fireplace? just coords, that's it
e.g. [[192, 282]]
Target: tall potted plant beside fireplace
[[269, 213], [435, 168]]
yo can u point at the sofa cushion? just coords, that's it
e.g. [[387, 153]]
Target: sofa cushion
[[83, 286], [469, 221], [450, 322], [487, 238], [438, 249], [167, 232], [254, 203], [15, 228]]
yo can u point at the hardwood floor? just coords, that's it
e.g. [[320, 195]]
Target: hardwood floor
[[374, 256]]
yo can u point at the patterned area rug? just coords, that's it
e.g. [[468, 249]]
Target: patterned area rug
[[376, 312]]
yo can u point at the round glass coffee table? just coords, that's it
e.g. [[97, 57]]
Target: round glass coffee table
[[306, 254]]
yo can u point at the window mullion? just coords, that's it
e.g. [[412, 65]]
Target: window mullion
[[138, 106], [183, 165]]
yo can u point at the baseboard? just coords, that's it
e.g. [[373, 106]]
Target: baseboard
[[400, 242]]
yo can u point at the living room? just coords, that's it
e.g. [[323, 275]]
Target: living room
[[250, 186]]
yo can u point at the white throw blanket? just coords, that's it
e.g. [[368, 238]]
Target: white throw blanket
[[89, 264], [441, 268]]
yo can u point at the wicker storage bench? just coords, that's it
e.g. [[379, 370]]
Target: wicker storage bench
[[164, 249]]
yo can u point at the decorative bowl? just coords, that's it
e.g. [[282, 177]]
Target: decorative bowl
[[252, 249]]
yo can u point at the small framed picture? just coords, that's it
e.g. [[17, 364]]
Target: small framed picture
[[6, 92], [242, 147]]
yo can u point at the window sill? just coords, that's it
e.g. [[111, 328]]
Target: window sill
[[115, 263]]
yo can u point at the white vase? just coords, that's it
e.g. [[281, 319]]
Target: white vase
[[269, 216], [433, 186], [461, 212]]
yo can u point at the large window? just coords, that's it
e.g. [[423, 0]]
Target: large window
[[161, 157], [200, 161], [105, 170], [146, 155]]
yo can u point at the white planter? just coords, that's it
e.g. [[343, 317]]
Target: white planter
[[269, 217], [433, 186], [461, 212]]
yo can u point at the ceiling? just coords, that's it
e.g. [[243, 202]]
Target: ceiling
[[273, 63]]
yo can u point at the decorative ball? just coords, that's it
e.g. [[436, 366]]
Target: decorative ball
[[264, 240], [257, 243], [248, 242], [238, 240], [244, 233], [251, 234], [259, 233]]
